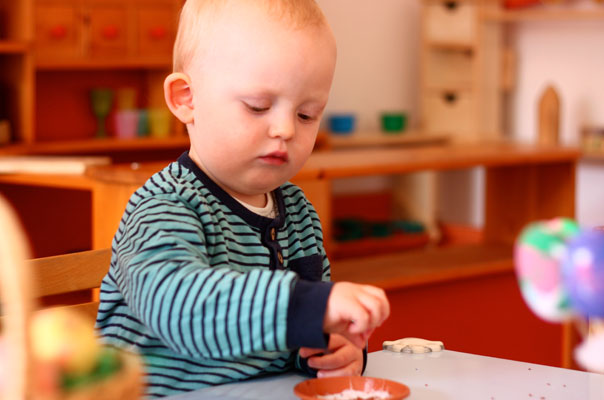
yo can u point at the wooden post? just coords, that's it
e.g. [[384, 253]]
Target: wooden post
[[549, 117]]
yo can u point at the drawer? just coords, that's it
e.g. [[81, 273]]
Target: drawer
[[450, 112], [57, 30], [107, 30], [156, 26], [451, 21], [448, 69]]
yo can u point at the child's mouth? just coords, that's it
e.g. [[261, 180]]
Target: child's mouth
[[275, 158]]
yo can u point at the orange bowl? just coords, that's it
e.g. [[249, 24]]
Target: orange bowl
[[311, 389]]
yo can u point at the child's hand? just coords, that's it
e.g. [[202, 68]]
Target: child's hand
[[354, 311], [342, 358]]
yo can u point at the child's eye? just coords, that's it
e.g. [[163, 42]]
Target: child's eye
[[256, 109], [305, 117]]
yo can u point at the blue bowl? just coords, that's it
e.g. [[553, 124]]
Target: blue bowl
[[341, 123]]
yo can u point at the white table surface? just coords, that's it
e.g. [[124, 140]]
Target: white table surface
[[437, 376]]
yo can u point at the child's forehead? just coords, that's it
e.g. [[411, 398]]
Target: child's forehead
[[258, 24]]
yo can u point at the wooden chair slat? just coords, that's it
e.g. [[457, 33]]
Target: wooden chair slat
[[69, 272]]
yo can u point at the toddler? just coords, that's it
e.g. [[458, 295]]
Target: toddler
[[218, 271]]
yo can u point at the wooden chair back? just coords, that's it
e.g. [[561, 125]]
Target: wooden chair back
[[71, 273]]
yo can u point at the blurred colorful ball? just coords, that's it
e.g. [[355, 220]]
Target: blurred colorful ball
[[583, 273], [64, 339], [538, 254]]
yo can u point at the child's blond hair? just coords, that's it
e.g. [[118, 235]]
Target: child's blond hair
[[197, 15]]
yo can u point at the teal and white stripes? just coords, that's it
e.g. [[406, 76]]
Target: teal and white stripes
[[195, 285]]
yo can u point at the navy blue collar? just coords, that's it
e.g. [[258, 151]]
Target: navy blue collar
[[247, 215]]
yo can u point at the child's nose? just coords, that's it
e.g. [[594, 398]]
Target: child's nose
[[283, 127]]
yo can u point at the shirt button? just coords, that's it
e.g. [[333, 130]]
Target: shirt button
[[280, 257], [273, 235]]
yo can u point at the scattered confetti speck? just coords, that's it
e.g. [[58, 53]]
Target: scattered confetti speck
[[530, 395], [564, 385], [426, 385], [530, 369], [548, 384]]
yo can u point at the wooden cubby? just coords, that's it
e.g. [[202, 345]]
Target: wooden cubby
[[52, 52], [16, 66], [461, 68]]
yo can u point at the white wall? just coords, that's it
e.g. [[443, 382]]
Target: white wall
[[569, 55], [378, 50], [378, 69]]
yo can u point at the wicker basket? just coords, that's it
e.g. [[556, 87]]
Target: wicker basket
[[24, 380]]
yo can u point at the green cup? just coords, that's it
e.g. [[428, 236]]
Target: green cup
[[394, 122]]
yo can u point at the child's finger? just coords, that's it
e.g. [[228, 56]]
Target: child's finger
[[365, 335], [377, 303], [354, 338], [349, 370], [359, 321], [380, 295], [327, 361], [306, 352], [373, 307]]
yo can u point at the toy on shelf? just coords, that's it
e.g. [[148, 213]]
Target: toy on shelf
[[52, 354], [560, 269], [101, 100]]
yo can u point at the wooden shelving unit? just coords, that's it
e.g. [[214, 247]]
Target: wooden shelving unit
[[562, 13], [13, 47], [97, 146], [52, 52]]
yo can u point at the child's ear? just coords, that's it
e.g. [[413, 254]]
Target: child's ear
[[178, 95]]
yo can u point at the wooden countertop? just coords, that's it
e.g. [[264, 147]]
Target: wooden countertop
[[380, 161], [425, 266], [339, 163]]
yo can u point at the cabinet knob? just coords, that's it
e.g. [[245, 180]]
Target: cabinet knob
[[158, 33], [450, 97], [110, 32], [451, 5], [58, 32]]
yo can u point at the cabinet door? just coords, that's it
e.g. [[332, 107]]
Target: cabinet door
[[58, 30], [450, 112], [448, 69], [156, 24], [107, 30], [451, 21]]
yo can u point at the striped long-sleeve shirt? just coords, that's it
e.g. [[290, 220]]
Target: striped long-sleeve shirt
[[207, 291]]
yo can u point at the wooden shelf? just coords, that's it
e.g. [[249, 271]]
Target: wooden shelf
[[87, 64], [593, 156], [13, 47], [461, 87], [546, 14], [426, 266], [97, 146], [370, 139], [451, 46], [397, 160], [373, 245], [57, 181]]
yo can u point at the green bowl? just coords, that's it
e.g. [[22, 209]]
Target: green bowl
[[394, 122]]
